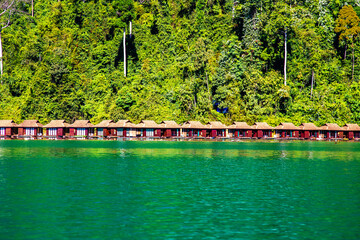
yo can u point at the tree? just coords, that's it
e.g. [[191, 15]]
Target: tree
[[6, 8], [347, 25], [280, 21]]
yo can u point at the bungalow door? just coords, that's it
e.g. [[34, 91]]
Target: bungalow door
[[2, 131], [149, 132], [29, 131], [52, 131]]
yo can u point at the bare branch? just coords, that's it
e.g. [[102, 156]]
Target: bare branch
[[8, 23], [7, 8]]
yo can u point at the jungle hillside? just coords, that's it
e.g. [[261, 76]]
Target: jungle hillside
[[226, 60]]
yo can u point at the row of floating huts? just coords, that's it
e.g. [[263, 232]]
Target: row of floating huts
[[108, 129]]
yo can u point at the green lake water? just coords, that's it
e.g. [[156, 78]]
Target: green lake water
[[179, 190]]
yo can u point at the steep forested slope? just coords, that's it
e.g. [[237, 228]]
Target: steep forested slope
[[187, 59]]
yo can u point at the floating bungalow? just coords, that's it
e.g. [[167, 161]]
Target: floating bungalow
[[193, 129], [122, 128], [30, 129], [56, 129], [7, 129], [148, 128], [81, 129], [309, 131], [108, 129], [240, 130], [216, 130], [170, 129], [287, 131], [352, 131], [262, 130], [103, 129], [331, 131]]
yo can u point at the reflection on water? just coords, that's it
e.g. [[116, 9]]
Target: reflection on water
[[177, 190]]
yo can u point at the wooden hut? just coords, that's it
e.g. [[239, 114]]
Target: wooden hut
[[170, 129], [148, 128], [103, 129], [216, 129], [351, 131], [240, 130], [81, 129], [194, 129], [331, 131], [7, 129], [56, 129], [30, 129], [309, 131], [287, 131], [122, 128], [262, 130]]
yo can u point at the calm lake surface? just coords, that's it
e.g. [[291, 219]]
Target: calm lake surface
[[179, 190]]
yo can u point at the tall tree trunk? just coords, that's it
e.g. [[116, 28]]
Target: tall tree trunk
[[345, 51], [312, 82], [1, 58], [124, 42], [353, 61], [130, 29], [32, 8], [207, 84], [285, 56]]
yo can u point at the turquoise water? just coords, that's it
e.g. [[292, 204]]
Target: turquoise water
[[179, 190]]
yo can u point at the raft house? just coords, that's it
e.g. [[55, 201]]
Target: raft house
[[149, 129]]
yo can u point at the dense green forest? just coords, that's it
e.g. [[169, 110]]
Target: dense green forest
[[255, 60]]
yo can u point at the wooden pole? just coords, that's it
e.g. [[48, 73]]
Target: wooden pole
[[130, 29], [285, 57], [312, 82], [1, 58], [124, 42]]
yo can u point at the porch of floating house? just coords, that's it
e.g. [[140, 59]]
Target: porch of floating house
[[286, 130], [30, 128], [121, 128], [55, 129], [215, 129], [81, 128], [351, 131], [7, 129], [331, 131], [103, 128], [194, 129], [239, 130], [147, 128], [262, 130], [309, 130], [170, 129]]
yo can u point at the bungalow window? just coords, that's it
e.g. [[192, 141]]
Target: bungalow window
[[81, 132], [52, 131], [91, 131], [101, 132], [120, 132], [139, 132], [2, 131], [174, 132], [30, 131], [324, 133], [150, 132]]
